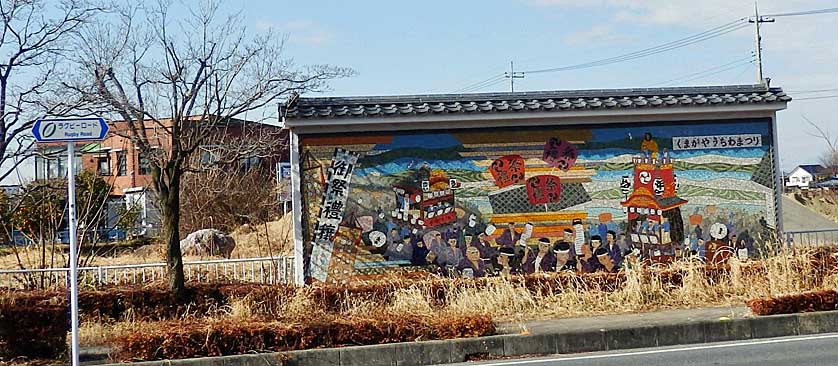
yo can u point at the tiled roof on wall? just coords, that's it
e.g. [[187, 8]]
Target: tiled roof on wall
[[538, 101]]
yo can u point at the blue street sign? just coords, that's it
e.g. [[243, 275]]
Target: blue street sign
[[70, 129]]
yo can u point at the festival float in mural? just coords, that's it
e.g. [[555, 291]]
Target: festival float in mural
[[477, 203]]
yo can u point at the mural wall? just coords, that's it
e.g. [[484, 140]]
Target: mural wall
[[483, 202]]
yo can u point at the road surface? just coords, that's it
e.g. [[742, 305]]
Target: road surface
[[799, 217], [818, 349]]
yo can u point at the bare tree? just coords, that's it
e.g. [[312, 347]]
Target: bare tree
[[35, 38], [829, 158], [225, 196], [176, 82]]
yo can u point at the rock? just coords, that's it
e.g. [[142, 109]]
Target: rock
[[208, 242]]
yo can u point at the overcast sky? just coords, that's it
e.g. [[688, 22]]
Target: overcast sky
[[442, 46]]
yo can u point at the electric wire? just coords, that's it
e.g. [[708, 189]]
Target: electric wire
[[490, 85], [683, 42], [820, 97], [679, 43], [811, 91], [738, 62], [807, 12], [479, 84], [716, 72]]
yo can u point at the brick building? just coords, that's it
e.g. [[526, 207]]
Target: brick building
[[117, 160]]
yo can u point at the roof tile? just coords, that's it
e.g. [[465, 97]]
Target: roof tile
[[542, 101]]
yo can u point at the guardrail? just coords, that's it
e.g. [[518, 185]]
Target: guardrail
[[265, 270], [815, 237]]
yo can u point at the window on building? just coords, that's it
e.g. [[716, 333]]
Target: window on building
[[57, 167], [209, 155], [103, 165], [249, 163], [121, 163], [143, 164]]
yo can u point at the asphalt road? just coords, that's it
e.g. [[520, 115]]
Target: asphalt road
[[799, 217], [819, 349]]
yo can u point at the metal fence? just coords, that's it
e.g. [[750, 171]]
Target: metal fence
[[266, 270], [817, 237]]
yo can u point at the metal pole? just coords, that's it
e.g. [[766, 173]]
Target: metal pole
[[758, 46], [511, 76], [74, 291]]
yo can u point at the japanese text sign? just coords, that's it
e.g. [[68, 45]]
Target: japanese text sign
[[508, 170], [559, 154], [544, 189], [716, 142]]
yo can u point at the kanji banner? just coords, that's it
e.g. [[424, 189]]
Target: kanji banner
[[331, 211]]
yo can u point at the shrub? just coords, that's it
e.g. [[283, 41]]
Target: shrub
[[797, 303], [33, 332], [174, 339]]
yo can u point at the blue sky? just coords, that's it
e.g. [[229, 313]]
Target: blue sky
[[441, 46], [433, 46]]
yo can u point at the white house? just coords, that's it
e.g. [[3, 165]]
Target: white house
[[804, 176]]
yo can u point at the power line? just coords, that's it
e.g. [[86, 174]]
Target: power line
[[807, 12], [480, 84], [683, 42], [679, 43], [811, 91], [716, 72], [821, 97], [490, 85], [738, 62]]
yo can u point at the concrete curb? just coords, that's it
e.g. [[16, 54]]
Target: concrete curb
[[456, 350]]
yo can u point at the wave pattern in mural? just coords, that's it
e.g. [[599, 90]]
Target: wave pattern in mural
[[477, 203]]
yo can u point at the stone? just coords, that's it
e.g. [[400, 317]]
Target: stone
[[208, 242]]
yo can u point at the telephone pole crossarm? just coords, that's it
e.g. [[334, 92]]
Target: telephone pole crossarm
[[512, 75]]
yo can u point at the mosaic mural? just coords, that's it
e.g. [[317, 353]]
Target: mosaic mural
[[484, 202]]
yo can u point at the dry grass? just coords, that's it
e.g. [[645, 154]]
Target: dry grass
[[263, 240], [644, 288]]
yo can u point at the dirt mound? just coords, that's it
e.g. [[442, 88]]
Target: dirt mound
[[262, 240]]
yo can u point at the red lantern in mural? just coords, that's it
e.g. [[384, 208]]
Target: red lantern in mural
[[508, 170], [544, 189], [559, 154]]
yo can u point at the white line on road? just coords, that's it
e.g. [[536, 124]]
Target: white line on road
[[668, 350]]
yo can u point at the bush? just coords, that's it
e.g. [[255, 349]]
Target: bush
[[173, 339], [798, 303], [33, 332]]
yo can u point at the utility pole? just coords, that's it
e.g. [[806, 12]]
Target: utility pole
[[512, 75], [757, 19]]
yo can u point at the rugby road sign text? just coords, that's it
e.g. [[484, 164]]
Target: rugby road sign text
[[70, 129]]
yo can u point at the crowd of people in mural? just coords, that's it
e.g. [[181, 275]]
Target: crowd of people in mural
[[470, 253], [469, 250]]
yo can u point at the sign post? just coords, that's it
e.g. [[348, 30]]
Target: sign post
[[71, 130]]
